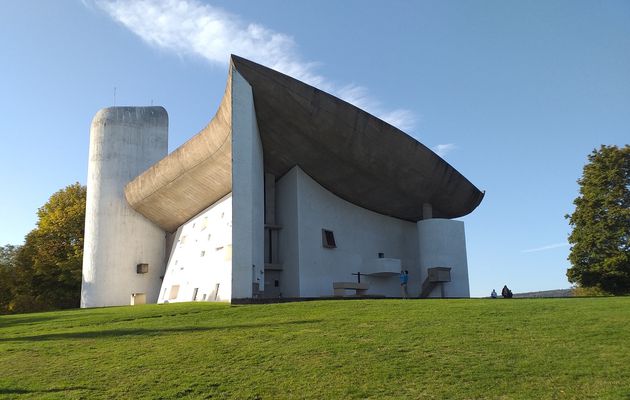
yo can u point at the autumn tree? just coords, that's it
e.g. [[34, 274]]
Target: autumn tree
[[600, 240], [48, 265]]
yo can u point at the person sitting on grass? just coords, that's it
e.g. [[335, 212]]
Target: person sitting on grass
[[493, 294], [506, 293]]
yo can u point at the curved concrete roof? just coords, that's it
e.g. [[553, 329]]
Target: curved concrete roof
[[351, 153], [191, 178]]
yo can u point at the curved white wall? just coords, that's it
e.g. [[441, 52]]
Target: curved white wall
[[304, 208], [442, 243], [124, 141]]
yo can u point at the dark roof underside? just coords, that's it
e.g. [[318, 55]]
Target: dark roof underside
[[353, 154]]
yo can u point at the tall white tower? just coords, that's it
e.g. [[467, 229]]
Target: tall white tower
[[123, 251]]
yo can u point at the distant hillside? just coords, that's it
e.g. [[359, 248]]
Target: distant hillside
[[546, 293]]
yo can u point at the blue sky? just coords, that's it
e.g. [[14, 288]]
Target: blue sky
[[514, 94]]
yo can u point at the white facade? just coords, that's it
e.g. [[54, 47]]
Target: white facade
[[309, 269], [248, 192], [442, 243], [200, 263], [270, 237], [124, 141]]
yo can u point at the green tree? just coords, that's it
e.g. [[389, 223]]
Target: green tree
[[600, 251], [48, 265], [8, 256]]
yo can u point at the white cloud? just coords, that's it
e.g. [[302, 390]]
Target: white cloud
[[189, 27], [547, 247], [443, 149]]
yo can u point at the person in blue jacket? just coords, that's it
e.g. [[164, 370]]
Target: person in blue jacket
[[404, 279]]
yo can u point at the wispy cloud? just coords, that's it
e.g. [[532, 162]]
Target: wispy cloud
[[191, 28], [443, 149], [547, 247]]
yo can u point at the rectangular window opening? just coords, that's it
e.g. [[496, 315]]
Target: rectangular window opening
[[328, 239], [174, 292], [142, 268]]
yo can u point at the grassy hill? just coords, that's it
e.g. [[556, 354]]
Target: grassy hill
[[574, 348]]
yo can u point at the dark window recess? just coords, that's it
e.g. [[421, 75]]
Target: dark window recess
[[142, 268], [276, 283], [328, 239]]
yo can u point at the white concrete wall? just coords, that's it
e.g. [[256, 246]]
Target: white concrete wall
[[248, 192], [288, 246], [124, 141], [442, 243], [360, 235], [201, 257]]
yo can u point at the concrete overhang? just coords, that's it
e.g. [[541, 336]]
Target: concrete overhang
[[351, 153], [192, 177]]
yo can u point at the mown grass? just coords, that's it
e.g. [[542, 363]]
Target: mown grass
[[383, 349]]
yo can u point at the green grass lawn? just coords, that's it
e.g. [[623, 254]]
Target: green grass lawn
[[574, 348]]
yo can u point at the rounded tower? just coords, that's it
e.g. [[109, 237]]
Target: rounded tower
[[123, 257], [442, 243]]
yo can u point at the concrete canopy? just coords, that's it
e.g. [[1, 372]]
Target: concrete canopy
[[351, 153]]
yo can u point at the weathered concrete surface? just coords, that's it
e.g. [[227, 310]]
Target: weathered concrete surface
[[192, 177], [124, 141], [353, 154]]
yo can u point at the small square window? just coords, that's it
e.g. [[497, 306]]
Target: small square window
[[142, 268], [328, 239]]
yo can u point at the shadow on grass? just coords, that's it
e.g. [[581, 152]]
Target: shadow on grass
[[55, 390], [147, 331], [11, 320]]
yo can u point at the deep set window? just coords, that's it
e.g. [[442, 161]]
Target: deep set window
[[142, 268], [328, 239]]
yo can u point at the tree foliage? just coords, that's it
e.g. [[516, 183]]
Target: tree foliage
[[8, 255], [45, 272], [600, 252]]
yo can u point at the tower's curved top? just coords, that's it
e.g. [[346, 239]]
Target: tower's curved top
[[353, 154]]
